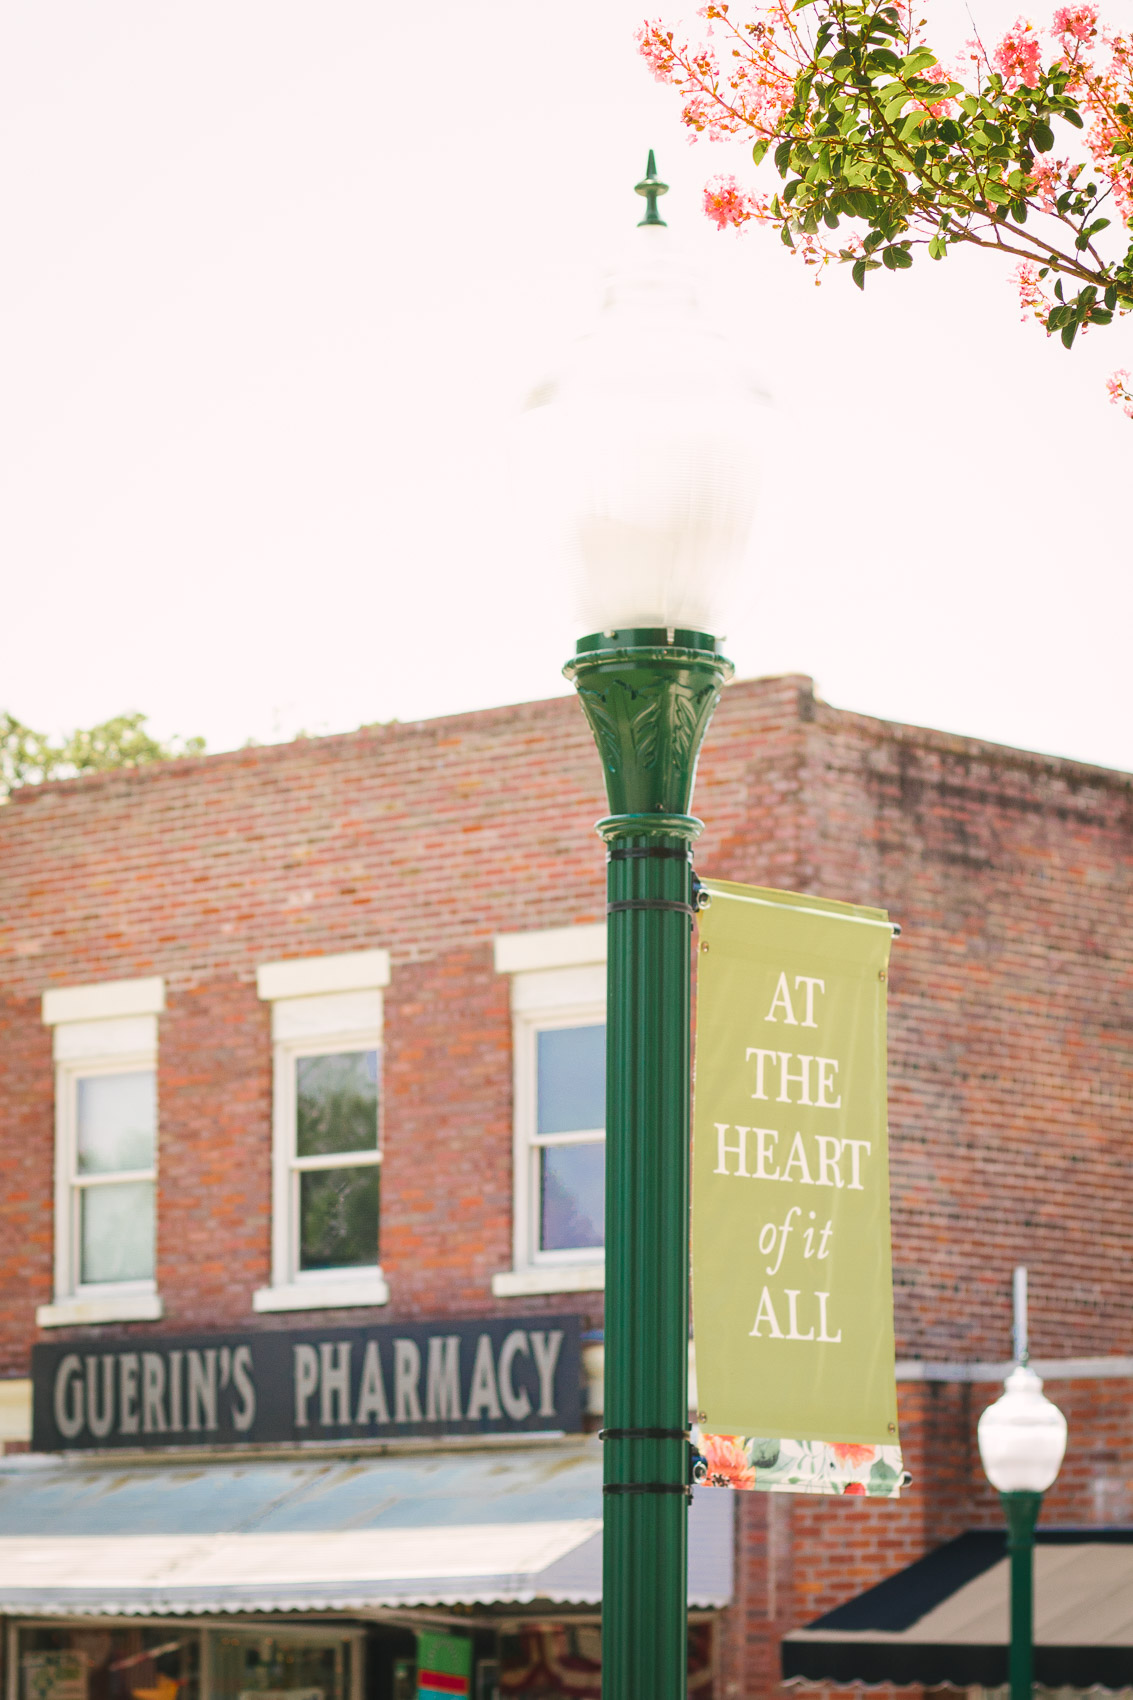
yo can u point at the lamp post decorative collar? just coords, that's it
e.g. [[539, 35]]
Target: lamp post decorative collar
[[651, 187]]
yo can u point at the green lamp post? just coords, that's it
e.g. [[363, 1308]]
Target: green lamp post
[[655, 446], [1022, 1441]]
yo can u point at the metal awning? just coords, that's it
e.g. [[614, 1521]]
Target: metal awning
[[944, 1620], [491, 1527]]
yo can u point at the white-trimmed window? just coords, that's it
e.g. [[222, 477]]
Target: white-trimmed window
[[326, 1014], [105, 1046], [558, 1003]]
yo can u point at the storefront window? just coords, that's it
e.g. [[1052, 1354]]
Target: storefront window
[[279, 1667], [147, 1662]]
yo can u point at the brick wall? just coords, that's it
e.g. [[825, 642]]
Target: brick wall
[[1011, 1058]]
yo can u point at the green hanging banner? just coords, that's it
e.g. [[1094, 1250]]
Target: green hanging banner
[[792, 1279]]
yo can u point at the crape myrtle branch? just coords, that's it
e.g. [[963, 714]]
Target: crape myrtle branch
[[873, 137]]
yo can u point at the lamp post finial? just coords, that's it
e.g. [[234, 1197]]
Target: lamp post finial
[[651, 187]]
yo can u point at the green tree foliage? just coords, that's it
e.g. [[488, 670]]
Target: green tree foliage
[[871, 135], [28, 757]]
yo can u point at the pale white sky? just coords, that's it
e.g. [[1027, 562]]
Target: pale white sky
[[276, 278]]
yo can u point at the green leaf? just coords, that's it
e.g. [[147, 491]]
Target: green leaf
[[1068, 335], [783, 158], [759, 152], [1042, 137], [858, 274]]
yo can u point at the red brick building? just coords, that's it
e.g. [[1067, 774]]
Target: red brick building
[[220, 977]]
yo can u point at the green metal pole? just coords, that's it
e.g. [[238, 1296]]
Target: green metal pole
[[648, 696], [1022, 1512]]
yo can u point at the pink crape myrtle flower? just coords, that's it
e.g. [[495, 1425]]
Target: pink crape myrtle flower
[[655, 44], [942, 108], [1120, 393], [1049, 179], [729, 206], [1078, 22], [1031, 296], [1018, 57]]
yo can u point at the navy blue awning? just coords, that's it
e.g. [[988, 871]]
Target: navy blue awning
[[944, 1620]]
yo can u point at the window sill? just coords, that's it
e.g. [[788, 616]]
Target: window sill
[[108, 1307], [370, 1289], [550, 1278]]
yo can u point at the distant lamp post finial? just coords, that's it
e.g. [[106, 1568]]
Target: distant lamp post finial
[[651, 187]]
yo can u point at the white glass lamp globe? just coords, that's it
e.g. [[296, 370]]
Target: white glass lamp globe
[[1022, 1437], [651, 442]]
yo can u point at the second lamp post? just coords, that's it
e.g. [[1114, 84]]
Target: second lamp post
[[1022, 1440]]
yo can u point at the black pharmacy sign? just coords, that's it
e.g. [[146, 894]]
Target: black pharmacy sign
[[509, 1376]]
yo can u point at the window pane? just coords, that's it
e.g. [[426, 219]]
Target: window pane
[[337, 1103], [117, 1232], [257, 1663], [338, 1217], [117, 1122], [573, 1193], [107, 1662], [572, 1079]]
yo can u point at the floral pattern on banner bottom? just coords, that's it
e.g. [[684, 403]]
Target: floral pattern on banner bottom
[[797, 1466]]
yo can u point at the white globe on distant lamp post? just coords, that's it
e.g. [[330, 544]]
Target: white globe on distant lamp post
[[1022, 1437], [1022, 1441]]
